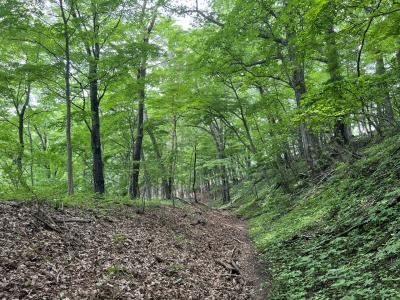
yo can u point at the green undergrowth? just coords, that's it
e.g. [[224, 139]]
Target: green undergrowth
[[338, 238]]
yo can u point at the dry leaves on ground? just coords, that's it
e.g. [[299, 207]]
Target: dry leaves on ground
[[167, 253]]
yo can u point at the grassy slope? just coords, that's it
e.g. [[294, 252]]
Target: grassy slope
[[339, 239]]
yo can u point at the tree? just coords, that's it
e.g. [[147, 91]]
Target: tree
[[65, 18], [141, 78], [97, 22]]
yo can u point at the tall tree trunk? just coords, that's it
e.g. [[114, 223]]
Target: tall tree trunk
[[29, 132], [247, 129], [44, 145], [306, 143], [141, 78], [242, 117], [194, 172], [21, 119], [98, 172], [299, 86], [157, 153], [174, 148], [147, 179], [134, 186], [21, 147], [70, 179], [385, 108], [92, 47], [218, 136], [342, 131]]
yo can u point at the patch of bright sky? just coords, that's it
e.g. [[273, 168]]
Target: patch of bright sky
[[186, 22]]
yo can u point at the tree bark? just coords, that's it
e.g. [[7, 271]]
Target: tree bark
[[21, 146], [218, 136], [44, 145], [28, 129], [298, 84], [147, 179], [385, 107], [70, 179], [342, 131], [299, 87], [174, 147], [141, 78], [242, 117], [21, 119], [98, 172], [165, 184], [306, 143], [194, 172], [134, 187]]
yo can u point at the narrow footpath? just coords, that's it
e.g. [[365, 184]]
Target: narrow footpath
[[166, 253]]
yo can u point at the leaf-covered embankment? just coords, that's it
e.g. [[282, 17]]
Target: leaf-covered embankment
[[167, 253], [337, 236]]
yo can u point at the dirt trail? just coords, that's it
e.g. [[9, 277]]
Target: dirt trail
[[168, 253]]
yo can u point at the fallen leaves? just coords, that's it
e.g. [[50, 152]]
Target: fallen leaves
[[164, 254]]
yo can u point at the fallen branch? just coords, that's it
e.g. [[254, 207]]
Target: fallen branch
[[365, 222], [232, 267], [47, 221], [343, 233], [193, 203], [393, 203], [230, 275], [73, 220], [237, 240], [184, 201], [11, 203], [298, 237], [199, 222]]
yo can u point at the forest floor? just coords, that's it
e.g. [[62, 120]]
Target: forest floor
[[116, 253]]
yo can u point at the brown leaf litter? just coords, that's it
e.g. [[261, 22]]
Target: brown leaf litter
[[167, 253]]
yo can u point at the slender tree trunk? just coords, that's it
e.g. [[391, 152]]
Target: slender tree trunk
[[21, 147], [147, 179], [226, 198], [70, 179], [174, 148], [218, 136], [141, 78], [342, 131], [242, 117], [306, 144], [299, 87], [298, 84], [398, 59], [98, 172], [21, 119], [93, 54], [194, 173], [247, 129], [28, 129], [385, 108], [165, 184], [134, 187], [43, 142]]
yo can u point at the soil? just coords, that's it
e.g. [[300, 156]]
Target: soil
[[166, 253]]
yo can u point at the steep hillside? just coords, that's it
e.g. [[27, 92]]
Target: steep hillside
[[337, 238]]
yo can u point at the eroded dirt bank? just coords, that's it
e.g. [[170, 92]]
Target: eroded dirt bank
[[167, 253]]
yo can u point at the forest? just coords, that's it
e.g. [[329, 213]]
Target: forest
[[199, 149]]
